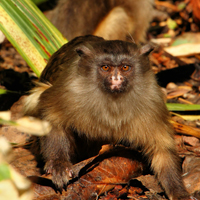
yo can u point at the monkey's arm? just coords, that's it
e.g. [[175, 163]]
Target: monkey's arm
[[58, 151]]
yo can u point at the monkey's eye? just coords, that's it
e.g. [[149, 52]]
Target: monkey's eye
[[125, 67], [105, 67]]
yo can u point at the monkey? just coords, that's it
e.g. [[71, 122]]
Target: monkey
[[104, 90], [110, 19]]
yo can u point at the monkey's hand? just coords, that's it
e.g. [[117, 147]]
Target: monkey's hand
[[61, 172]]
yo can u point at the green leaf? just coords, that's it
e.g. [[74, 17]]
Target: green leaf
[[7, 122], [4, 172], [38, 2], [181, 6], [182, 107], [179, 42], [30, 32], [171, 23], [166, 35], [2, 91]]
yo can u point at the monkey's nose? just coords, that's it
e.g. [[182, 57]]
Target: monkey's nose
[[117, 77], [116, 82]]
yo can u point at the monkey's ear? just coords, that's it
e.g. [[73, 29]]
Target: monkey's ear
[[146, 49], [83, 51]]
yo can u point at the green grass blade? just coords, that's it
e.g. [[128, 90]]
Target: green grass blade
[[38, 2], [182, 107], [2, 91], [4, 171]]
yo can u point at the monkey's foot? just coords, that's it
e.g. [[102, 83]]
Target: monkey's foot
[[61, 172]]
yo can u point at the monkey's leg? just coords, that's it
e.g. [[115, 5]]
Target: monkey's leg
[[166, 166], [116, 25], [58, 149]]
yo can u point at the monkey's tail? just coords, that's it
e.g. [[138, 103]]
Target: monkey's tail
[[32, 100]]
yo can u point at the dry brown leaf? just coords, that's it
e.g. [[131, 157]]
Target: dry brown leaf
[[192, 141], [183, 49], [112, 167], [27, 124], [167, 5], [186, 130], [196, 9], [191, 176], [101, 174], [13, 135], [33, 126], [177, 92]]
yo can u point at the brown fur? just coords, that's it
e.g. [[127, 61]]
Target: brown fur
[[32, 100], [81, 101], [111, 19]]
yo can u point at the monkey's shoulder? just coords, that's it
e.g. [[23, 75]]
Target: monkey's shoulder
[[63, 56]]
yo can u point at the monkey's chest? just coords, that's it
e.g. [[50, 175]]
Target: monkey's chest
[[102, 126]]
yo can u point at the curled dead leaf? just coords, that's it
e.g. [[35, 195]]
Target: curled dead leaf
[[33, 126], [5, 115]]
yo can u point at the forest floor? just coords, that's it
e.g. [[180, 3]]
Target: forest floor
[[176, 63]]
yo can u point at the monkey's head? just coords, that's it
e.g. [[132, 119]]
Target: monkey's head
[[114, 65]]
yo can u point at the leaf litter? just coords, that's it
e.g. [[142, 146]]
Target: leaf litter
[[116, 173]]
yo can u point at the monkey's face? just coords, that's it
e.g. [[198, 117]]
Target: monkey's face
[[114, 66], [115, 78]]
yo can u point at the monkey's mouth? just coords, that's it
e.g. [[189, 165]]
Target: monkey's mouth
[[117, 89]]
